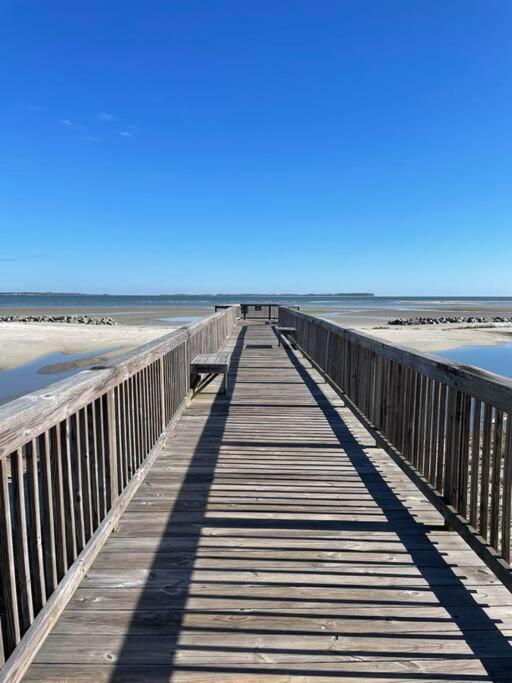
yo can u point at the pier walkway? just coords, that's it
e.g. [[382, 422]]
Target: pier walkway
[[273, 541]]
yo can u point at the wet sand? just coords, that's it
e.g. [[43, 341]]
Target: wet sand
[[427, 338], [347, 316], [433, 338], [123, 315], [22, 343], [377, 317]]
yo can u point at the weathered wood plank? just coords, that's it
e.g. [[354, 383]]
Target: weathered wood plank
[[75, 427], [435, 668], [271, 538], [474, 381]]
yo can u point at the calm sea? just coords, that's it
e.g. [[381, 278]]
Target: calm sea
[[401, 303]]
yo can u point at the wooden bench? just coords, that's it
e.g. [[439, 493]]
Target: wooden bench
[[211, 364], [286, 332]]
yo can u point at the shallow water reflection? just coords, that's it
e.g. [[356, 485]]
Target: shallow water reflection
[[496, 359], [42, 372]]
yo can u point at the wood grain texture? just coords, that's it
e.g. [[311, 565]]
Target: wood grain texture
[[444, 420], [31, 415], [273, 540], [469, 379], [83, 444], [210, 362]]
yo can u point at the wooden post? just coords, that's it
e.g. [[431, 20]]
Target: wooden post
[[7, 563], [2, 651], [68, 455], [112, 446], [162, 393], [507, 492]]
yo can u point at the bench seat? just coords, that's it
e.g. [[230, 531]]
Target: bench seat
[[285, 331], [212, 364]]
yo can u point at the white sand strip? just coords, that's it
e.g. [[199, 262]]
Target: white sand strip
[[432, 338], [22, 343]]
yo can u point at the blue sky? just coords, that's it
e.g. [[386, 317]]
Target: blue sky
[[185, 146]]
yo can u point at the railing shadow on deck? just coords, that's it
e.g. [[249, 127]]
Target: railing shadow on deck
[[497, 666], [71, 457], [214, 427]]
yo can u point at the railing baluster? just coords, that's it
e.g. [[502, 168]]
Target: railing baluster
[[2, 647], [125, 447], [427, 451], [507, 492], [416, 418], [436, 423], [450, 422], [59, 486], [485, 470], [93, 462], [49, 525], [496, 480], [35, 531], [441, 437], [85, 466], [21, 539], [13, 626], [465, 431], [68, 492], [475, 464], [60, 505], [102, 455], [78, 494], [111, 420]]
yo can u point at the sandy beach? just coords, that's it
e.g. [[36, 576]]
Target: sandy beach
[[378, 317], [22, 343], [37, 354], [432, 338], [140, 316]]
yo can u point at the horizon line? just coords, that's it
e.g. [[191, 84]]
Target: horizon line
[[258, 294]]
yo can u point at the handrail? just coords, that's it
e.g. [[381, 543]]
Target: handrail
[[261, 311], [449, 425], [71, 457]]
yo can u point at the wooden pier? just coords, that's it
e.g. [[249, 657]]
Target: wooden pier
[[291, 530]]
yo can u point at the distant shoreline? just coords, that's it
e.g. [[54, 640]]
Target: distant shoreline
[[240, 296], [246, 296]]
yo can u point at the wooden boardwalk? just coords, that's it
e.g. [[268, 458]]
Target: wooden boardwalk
[[273, 541]]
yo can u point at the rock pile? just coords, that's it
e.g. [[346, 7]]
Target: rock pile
[[451, 319], [73, 319]]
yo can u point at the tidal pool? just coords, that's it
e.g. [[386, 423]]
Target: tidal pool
[[496, 359], [46, 370]]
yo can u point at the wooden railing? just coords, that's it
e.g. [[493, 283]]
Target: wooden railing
[[71, 457], [448, 425], [221, 307], [261, 311]]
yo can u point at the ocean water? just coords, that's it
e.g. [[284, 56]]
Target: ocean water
[[40, 373], [182, 319], [497, 359], [361, 303]]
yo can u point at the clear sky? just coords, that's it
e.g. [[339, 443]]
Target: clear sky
[[226, 145]]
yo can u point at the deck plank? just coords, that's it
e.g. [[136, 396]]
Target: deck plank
[[273, 541]]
